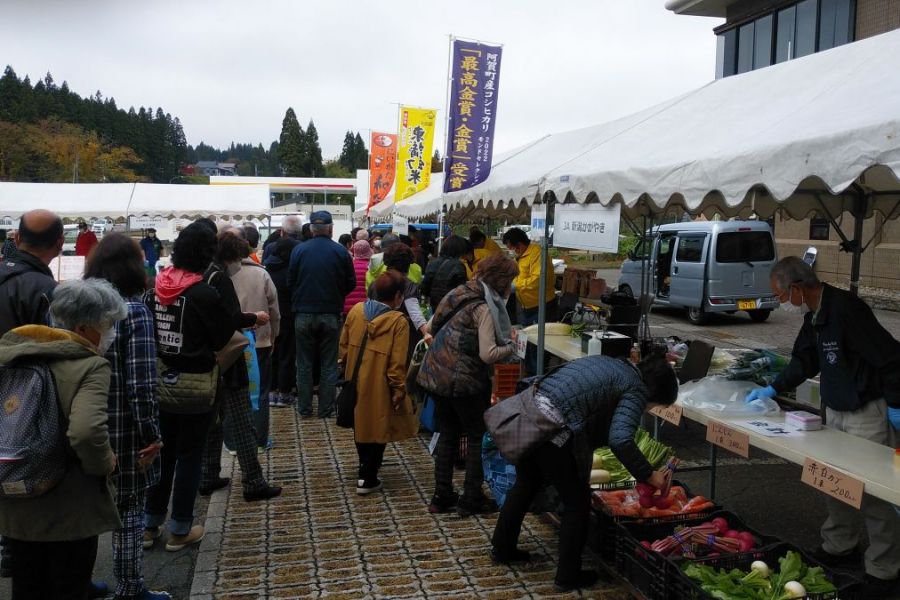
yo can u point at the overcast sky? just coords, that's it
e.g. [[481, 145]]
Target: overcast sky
[[230, 69]]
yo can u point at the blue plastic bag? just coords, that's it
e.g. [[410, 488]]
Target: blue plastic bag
[[499, 474], [427, 417], [252, 368]]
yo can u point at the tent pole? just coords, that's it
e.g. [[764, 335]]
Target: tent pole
[[542, 286], [860, 204]]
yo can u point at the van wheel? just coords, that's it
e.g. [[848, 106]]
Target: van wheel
[[759, 315], [697, 316], [627, 290]]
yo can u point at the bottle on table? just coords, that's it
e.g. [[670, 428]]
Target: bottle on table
[[595, 344], [635, 353]]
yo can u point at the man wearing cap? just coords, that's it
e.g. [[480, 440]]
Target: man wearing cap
[[85, 241], [152, 248], [320, 276]]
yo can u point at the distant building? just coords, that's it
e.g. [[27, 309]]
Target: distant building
[[760, 33], [212, 168]]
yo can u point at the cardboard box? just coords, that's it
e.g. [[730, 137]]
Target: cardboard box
[[583, 283]]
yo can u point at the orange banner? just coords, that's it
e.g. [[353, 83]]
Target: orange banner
[[382, 166]]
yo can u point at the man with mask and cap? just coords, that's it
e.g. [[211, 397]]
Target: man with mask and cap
[[858, 362], [152, 248]]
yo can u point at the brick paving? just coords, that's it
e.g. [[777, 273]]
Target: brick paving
[[321, 540]]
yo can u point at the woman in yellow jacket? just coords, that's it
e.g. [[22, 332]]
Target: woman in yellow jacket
[[384, 413]]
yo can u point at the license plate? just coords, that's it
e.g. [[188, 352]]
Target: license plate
[[746, 304]]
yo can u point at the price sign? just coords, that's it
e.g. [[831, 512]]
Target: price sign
[[521, 344], [833, 482], [671, 413], [729, 438]]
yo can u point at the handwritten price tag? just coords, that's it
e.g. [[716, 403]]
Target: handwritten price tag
[[729, 438], [671, 413], [833, 482], [521, 345]]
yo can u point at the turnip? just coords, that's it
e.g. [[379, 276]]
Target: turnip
[[662, 502], [721, 524], [745, 546], [747, 536], [600, 476], [732, 534], [794, 590], [760, 567], [645, 489], [645, 501]]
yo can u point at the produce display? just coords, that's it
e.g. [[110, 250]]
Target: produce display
[[710, 539], [550, 329], [607, 468], [634, 503], [794, 579]]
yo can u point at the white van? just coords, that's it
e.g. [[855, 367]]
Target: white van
[[706, 267]]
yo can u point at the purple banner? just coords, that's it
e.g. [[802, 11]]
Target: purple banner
[[473, 112]]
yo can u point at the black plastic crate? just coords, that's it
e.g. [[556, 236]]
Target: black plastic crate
[[683, 587], [650, 571]]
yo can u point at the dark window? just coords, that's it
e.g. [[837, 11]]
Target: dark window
[[835, 23], [729, 57], [805, 33], [745, 48], [641, 249], [743, 246], [690, 249], [819, 229], [762, 42], [784, 37]]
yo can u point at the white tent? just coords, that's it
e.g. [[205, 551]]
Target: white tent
[[425, 203], [823, 128], [115, 201]]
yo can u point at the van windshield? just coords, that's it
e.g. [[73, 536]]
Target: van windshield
[[743, 246]]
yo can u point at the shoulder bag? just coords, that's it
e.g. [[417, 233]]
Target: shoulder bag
[[346, 399], [185, 393]]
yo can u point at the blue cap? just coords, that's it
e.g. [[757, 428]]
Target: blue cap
[[320, 217]]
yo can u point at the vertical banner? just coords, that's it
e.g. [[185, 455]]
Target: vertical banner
[[472, 114], [382, 166], [414, 153]]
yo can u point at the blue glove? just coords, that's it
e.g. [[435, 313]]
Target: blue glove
[[894, 417], [759, 393]]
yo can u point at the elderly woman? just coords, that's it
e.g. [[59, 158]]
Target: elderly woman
[[601, 401], [471, 331], [133, 406], [384, 413], [53, 536], [361, 253]]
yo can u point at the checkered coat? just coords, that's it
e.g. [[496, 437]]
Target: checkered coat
[[133, 405]]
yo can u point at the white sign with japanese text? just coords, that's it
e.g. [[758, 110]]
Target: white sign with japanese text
[[400, 225], [587, 227]]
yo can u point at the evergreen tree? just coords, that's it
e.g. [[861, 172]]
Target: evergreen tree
[[290, 145], [312, 152], [436, 163], [361, 154], [347, 159]]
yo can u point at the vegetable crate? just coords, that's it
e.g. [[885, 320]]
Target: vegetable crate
[[506, 376], [649, 571], [683, 587]]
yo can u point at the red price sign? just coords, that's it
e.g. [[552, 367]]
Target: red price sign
[[671, 413], [833, 482], [729, 438]]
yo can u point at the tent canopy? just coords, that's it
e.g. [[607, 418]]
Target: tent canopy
[[425, 203], [115, 201], [822, 128]]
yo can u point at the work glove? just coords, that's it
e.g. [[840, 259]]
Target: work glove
[[894, 417], [760, 393]]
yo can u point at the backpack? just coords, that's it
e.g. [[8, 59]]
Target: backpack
[[33, 446]]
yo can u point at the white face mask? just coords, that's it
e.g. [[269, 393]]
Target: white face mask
[[791, 308], [106, 341]]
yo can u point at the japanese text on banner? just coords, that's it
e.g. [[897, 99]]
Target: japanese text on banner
[[472, 114], [414, 152], [382, 166]]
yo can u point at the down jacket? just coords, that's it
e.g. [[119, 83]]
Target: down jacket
[[602, 400]]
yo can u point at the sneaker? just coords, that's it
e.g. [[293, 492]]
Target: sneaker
[[505, 557], [441, 505], [263, 449], [177, 542], [484, 506], [232, 452], [364, 488], [289, 400], [98, 589], [275, 400], [849, 560], [583, 580], [151, 534], [217, 484], [264, 493], [875, 587]]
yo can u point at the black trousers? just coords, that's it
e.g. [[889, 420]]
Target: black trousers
[[57, 570], [557, 466], [284, 358], [370, 459], [457, 417]]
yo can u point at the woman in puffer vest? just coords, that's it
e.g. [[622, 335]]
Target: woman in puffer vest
[[471, 330]]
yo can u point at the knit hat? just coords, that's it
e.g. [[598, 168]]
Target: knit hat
[[362, 250], [362, 234]]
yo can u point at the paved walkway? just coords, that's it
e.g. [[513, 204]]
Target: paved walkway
[[321, 540]]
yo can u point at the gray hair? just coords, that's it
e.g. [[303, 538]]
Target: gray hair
[[88, 302], [291, 225], [791, 270], [388, 240], [320, 229]]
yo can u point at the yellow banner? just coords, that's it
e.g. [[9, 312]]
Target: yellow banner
[[414, 151]]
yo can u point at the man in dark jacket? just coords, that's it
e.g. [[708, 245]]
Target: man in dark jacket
[[284, 357], [320, 276], [858, 362]]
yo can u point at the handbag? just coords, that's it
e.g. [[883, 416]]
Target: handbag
[[418, 357], [233, 350], [185, 393], [427, 417], [346, 399], [518, 426]]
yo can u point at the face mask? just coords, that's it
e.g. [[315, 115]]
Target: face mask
[[233, 268], [790, 308], [106, 341]]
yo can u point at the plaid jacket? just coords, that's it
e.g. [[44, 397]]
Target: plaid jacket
[[133, 406]]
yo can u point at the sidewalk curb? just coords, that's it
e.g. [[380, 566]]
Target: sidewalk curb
[[204, 578]]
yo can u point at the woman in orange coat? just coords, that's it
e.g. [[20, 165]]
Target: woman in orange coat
[[384, 413]]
